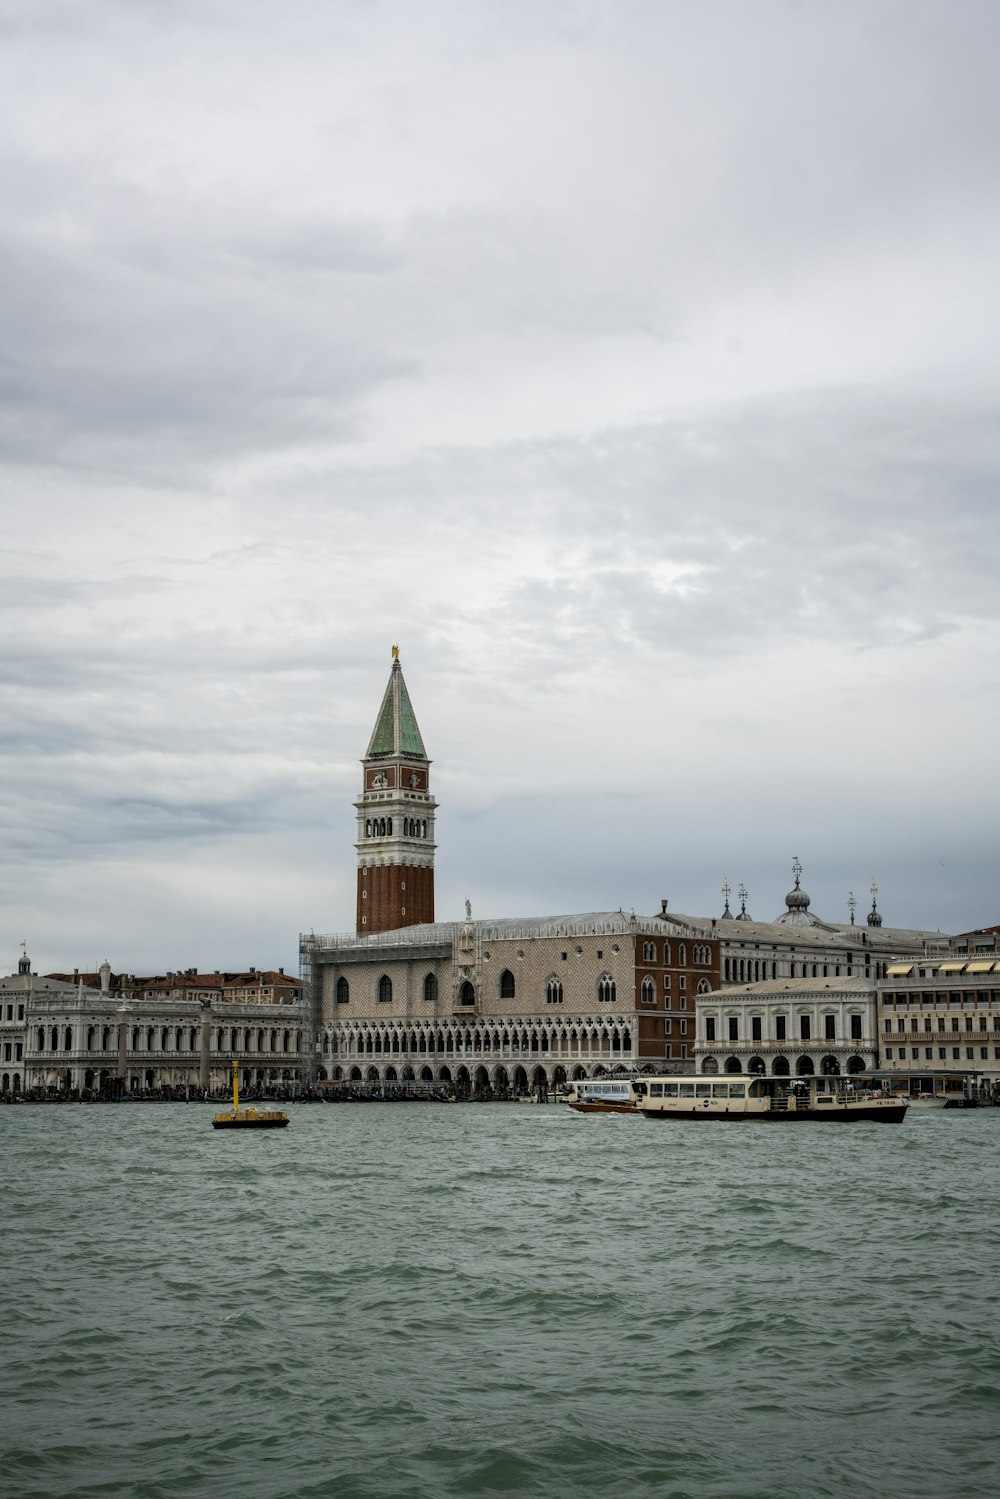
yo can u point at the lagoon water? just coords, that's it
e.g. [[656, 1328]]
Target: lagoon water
[[420, 1300]]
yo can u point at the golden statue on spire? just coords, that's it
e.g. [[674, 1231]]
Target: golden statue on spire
[[395, 653]]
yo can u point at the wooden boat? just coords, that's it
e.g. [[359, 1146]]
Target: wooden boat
[[250, 1118], [769, 1100]]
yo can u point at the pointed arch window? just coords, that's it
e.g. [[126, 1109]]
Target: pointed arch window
[[607, 991], [648, 992], [430, 987], [385, 990], [704, 987], [467, 994], [554, 992], [343, 991], [507, 985]]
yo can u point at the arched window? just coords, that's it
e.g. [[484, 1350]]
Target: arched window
[[41, 1038], [507, 984], [648, 992], [467, 994], [431, 987], [682, 955], [649, 952], [384, 989], [389, 827], [704, 987], [606, 989], [666, 953], [343, 991], [553, 992]]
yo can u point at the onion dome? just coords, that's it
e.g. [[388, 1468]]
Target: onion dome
[[797, 912]]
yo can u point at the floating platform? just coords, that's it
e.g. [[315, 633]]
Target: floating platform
[[250, 1119]]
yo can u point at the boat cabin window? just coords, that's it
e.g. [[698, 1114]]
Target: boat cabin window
[[720, 1090], [670, 1090], [737, 1090], [687, 1090], [656, 1090], [703, 1090]]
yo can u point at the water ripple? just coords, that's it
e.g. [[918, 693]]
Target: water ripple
[[405, 1301]]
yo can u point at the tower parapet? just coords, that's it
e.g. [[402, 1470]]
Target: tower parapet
[[395, 810]]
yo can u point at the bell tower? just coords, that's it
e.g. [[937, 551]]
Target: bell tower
[[395, 819]]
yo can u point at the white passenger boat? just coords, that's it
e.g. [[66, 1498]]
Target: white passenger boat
[[603, 1096], [770, 1100]]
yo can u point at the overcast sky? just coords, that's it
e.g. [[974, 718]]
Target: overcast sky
[[632, 365]]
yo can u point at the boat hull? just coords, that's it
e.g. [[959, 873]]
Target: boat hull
[[850, 1114], [604, 1108], [263, 1121]]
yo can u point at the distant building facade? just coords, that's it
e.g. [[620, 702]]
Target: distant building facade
[[499, 1007], [936, 1014], [110, 1033], [789, 1027]]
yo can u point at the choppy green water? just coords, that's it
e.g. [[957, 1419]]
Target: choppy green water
[[415, 1300]]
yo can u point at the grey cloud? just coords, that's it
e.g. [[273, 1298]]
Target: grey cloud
[[216, 379]]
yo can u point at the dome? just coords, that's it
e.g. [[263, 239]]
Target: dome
[[797, 912]]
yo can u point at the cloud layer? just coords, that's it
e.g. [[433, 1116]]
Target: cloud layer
[[635, 370]]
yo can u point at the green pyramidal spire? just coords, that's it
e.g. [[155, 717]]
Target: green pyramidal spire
[[396, 731]]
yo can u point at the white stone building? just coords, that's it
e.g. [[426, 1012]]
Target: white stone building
[[789, 1027], [167, 1034]]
